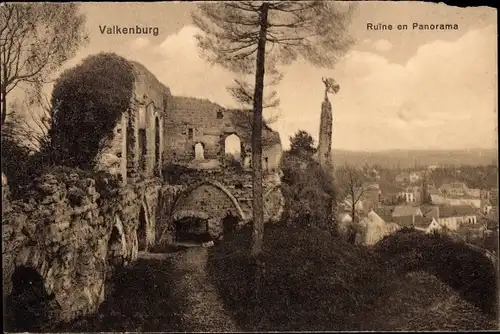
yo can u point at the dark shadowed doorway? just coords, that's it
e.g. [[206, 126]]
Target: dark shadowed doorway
[[28, 306], [141, 231], [191, 230]]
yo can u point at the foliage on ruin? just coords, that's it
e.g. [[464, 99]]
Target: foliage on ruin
[[90, 97]]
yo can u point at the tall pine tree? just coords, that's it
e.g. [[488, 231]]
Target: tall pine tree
[[255, 37]]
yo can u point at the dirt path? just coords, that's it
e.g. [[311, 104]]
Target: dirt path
[[204, 309], [159, 293]]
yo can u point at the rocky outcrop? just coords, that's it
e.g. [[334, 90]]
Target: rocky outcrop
[[62, 231]]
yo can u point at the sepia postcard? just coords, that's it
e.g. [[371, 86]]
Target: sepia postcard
[[249, 166]]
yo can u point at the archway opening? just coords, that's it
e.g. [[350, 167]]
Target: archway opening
[[229, 223], [191, 231], [28, 305], [199, 151], [115, 248], [232, 146], [141, 231], [157, 147]]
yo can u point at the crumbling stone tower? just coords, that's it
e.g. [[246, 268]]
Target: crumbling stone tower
[[326, 127], [325, 136]]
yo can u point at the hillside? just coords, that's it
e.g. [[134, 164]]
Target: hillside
[[313, 281], [405, 159]]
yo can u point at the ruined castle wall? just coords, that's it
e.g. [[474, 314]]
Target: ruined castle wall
[[211, 201], [121, 152], [190, 121], [273, 155], [62, 230], [214, 203]]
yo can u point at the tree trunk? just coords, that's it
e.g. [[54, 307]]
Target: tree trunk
[[258, 201], [353, 209], [3, 96], [4, 107]]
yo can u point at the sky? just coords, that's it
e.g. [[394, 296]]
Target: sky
[[407, 89]]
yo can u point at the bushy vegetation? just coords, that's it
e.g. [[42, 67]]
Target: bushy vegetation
[[468, 271], [308, 190], [232, 163], [89, 99], [308, 280], [14, 158]]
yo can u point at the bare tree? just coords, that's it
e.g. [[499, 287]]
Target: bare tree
[[33, 130], [352, 183], [237, 36], [35, 40]]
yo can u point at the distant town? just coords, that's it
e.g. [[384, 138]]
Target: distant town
[[460, 201]]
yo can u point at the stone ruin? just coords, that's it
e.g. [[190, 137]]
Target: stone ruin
[[63, 230]]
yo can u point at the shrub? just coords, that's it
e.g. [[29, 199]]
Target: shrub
[[231, 162], [90, 98], [466, 270], [308, 191]]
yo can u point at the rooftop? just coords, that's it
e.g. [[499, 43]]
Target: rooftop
[[456, 211], [405, 210]]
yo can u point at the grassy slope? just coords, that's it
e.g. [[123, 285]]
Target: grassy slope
[[312, 281], [421, 302]]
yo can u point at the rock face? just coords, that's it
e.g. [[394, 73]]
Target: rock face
[[325, 136], [62, 231]]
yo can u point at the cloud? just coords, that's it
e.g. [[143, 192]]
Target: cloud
[[382, 45], [187, 73], [140, 43], [443, 97]]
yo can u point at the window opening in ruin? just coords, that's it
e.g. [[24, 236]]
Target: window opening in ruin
[[190, 133], [199, 151], [232, 146], [219, 114], [143, 148], [238, 185], [266, 163], [157, 146], [28, 304], [192, 230], [141, 231]]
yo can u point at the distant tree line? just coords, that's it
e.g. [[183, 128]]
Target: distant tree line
[[476, 177]]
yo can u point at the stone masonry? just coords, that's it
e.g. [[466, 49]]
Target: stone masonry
[[69, 220]]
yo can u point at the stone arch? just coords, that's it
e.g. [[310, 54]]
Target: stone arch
[[117, 244], [199, 151], [217, 185]]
